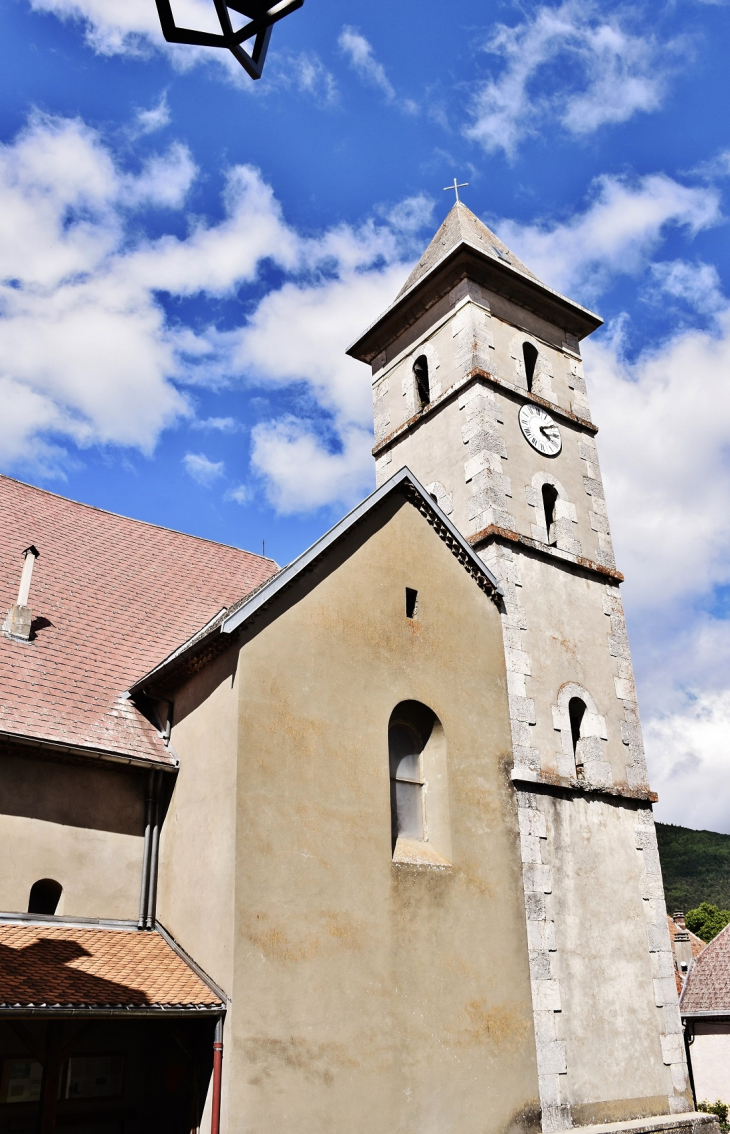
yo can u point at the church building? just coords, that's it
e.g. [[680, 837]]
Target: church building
[[364, 843]]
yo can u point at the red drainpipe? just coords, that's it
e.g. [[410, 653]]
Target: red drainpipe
[[215, 1122]]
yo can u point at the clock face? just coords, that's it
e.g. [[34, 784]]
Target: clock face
[[540, 430]]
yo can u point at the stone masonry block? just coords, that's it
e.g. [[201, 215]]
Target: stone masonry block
[[592, 486], [540, 966], [672, 1048], [523, 709], [551, 1058], [518, 661], [545, 1029], [546, 995], [672, 1023], [535, 909], [537, 877]]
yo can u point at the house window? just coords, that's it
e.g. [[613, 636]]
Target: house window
[[576, 712], [423, 388], [549, 500], [411, 602], [529, 354], [45, 894]]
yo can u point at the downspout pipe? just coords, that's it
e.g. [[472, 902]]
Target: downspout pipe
[[144, 887], [215, 1121], [154, 854]]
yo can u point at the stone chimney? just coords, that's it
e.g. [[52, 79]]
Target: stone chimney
[[17, 623], [678, 919], [682, 951]]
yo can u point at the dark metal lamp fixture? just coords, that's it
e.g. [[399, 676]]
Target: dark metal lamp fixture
[[261, 16]]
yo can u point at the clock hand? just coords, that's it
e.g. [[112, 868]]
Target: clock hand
[[544, 429]]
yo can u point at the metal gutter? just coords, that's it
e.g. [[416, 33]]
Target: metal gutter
[[101, 754], [297, 566]]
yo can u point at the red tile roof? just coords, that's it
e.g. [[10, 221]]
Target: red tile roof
[[707, 988], [116, 596], [48, 966]]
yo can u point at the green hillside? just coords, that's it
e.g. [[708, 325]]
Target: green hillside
[[695, 866]]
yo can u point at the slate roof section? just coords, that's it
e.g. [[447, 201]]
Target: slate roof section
[[75, 968], [115, 596], [462, 226], [707, 987]]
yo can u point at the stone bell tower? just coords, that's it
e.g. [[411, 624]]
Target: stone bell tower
[[478, 388]]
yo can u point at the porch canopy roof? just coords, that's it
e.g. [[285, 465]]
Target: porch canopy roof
[[76, 969]]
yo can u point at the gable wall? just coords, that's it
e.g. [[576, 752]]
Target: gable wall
[[369, 995]]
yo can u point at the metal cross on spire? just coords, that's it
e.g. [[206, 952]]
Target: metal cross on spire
[[455, 188]]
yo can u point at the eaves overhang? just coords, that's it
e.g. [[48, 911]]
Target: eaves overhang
[[227, 623], [464, 261]]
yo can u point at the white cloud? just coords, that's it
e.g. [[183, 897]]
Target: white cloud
[[571, 65], [360, 56], [688, 754], [241, 494], [615, 235], [221, 424], [665, 435], [156, 118], [85, 346], [202, 470], [302, 474], [698, 285]]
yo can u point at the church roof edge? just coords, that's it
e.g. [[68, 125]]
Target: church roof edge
[[403, 480]]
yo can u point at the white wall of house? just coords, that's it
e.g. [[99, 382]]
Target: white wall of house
[[710, 1055]]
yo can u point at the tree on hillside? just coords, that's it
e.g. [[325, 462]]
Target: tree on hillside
[[707, 921]]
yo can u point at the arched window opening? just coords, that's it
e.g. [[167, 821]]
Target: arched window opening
[[45, 894], [423, 388], [529, 354], [576, 712], [549, 500], [411, 725]]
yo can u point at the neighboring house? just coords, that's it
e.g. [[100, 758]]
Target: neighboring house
[[307, 801], [685, 947], [705, 1009]]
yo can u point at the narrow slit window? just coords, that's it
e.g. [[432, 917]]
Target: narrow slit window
[[423, 386], [529, 354], [45, 894], [549, 500], [411, 602], [576, 712]]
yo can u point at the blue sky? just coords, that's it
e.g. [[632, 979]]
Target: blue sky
[[186, 254]]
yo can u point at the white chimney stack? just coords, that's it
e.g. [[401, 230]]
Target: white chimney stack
[[17, 623]]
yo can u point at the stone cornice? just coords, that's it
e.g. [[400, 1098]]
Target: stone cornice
[[499, 383], [527, 778], [493, 533]]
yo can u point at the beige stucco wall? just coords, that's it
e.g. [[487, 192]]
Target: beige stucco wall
[[195, 898], [368, 995], [80, 826], [710, 1055]]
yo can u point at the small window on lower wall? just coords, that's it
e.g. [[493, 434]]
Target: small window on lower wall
[[417, 756], [45, 894]]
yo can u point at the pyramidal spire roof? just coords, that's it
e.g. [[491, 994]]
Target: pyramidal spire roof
[[463, 227]]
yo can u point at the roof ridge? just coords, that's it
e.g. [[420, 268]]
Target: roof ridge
[[133, 519]]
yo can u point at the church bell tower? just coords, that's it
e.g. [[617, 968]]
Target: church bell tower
[[478, 388]]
